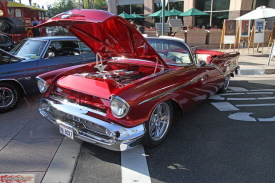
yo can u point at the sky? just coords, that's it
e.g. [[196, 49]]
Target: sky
[[40, 2]]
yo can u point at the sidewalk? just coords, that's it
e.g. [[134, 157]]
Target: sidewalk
[[254, 62]]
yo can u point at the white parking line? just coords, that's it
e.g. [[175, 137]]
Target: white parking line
[[254, 105], [241, 99], [134, 166], [224, 106], [266, 98], [263, 93], [263, 90], [267, 119], [224, 94], [242, 116], [238, 89]]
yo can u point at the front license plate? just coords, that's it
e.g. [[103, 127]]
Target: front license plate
[[66, 131]]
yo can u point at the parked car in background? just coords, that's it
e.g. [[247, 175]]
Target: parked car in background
[[130, 94], [34, 56], [6, 42]]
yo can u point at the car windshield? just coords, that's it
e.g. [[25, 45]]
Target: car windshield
[[29, 49], [173, 52]]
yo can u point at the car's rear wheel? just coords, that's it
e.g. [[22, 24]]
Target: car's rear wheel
[[158, 125], [225, 84], [9, 97]]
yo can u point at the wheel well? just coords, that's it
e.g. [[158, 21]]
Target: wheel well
[[176, 107], [17, 85]]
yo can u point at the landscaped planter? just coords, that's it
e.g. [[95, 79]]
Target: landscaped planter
[[214, 38], [195, 38], [151, 33]]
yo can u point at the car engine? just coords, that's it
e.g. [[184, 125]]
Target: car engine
[[120, 76]]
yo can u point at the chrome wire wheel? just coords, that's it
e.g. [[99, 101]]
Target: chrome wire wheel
[[6, 96], [159, 121]]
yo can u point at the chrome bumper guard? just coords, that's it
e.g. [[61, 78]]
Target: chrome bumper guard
[[90, 129]]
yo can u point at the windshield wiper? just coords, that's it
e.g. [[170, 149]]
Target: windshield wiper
[[8, 54]]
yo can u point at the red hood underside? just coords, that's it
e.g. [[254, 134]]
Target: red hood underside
[[106, 34]]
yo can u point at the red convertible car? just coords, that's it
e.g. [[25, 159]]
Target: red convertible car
[[129, 95]]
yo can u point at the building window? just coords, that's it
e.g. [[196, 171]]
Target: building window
[[220, 5], [258, 3], [176, 5], [131, 8], [203, 5], [218, 11]]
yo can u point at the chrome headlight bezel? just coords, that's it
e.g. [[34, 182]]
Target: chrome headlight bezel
[[119, 107], [42, 85]]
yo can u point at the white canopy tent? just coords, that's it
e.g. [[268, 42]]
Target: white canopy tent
[[260, 12]]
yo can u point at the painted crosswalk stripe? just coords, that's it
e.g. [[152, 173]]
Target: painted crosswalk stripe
[[224, 106], [238, 89], [264, 90], [255, 105], [241, 99], [134, 166]]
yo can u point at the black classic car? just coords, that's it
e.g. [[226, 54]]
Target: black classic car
[[34, 56]]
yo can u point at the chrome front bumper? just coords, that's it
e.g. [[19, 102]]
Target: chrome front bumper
[[90, 129]]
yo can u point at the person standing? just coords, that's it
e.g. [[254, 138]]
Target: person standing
[[36, 31]]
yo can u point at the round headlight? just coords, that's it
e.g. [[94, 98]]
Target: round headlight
[[42, 85], [119, 107]]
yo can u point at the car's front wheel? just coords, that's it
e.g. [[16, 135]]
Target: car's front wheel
[[158, 125], [9, 97]]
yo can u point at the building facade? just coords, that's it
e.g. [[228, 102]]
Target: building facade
[[218, 10]]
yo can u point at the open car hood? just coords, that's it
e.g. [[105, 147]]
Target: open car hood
[[106, 34]]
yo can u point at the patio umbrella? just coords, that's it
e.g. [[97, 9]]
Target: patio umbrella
[[159, 14], [175, 12], [125, 15], [193, 12], [260, 12], [136, 16]]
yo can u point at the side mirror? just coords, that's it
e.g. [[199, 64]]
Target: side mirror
[[51, 55]]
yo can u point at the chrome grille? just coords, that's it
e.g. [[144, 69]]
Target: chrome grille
[[92, 108], [85, 127]]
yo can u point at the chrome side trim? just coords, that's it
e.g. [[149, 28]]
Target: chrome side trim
[[223, 73], [172, 90]]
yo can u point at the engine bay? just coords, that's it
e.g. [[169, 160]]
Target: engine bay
[[121, 76]]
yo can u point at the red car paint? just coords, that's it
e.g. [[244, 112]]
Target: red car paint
[[152, 79]]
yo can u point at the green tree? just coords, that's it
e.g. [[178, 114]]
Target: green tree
[[98, 4], [94, 4], [60, 6], [87, 4]]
